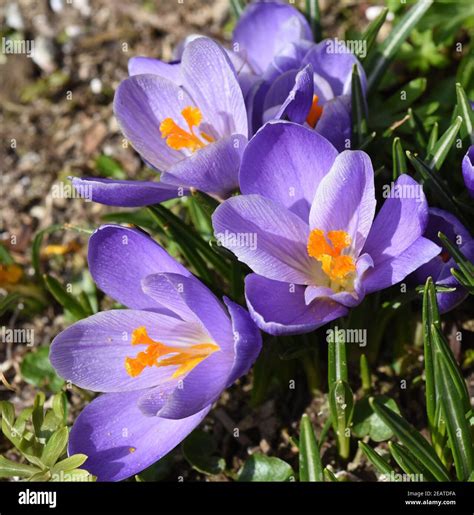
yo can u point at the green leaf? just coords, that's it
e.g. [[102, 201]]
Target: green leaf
[[432, 139], [430, 314], [37, 370], [368, 423], [370, 33], [440, 151], [10, 468], [439, 187], [109, 167], [365, 373], [337, 357], [36, 249], [459, 432], [313, 14], [417, 126], [70, 463], [237, 7], [67, 301], [329, 476], [359, 112], [398, 158], [198, 449], [9, 300], [55, 447], [8, 421], [60, 406], [311, 468], [38, 412], [412, 440], [389, 48], [408, 463], [264, 468], [341, 405], [465, 110], [443, 353], [374, 457], [465, 265]]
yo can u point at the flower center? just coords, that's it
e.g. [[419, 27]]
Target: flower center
[[185, 357], [336, 266], [178, 138], [314, 113]]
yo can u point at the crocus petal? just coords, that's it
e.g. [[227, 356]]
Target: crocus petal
[[126, 193], [335, 66], [335, 123], [92, 352], [213, 169], [148, 65], [391, 270], [399, 223], [120, 257], [120, 441], [201, 387], [247, 340], [269, 168], [292, 94], [345, 198], [279, 307], [265, 27], [212, 82], [266, 236], [141, 103], [188, 295], [468, 170]]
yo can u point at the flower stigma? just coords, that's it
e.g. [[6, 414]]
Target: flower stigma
[[327, 249], [178, 138], [186, 358]]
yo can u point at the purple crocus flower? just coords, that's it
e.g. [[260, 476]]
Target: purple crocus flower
[[309, 213], [299, 80], [160, 364], [189, 122], [439, 268], [468, 170]]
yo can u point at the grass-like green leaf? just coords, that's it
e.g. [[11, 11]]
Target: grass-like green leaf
[[464, 264], [430, 315], [359, 111], [465, 110], [67, 301], [432, 140], [311, 468], [370, 33], [458, 429], [313, 14], [412, 440], [440, 150], [398, 158], [341, 405], [388, 49], [377, 461], [408, 463]]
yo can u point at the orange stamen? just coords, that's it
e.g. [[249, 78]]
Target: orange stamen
[[314, 113], [178, 138], [328, 253], [185, 357]]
